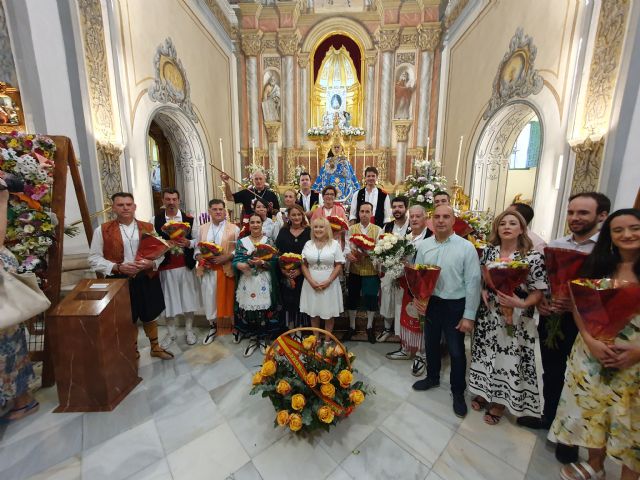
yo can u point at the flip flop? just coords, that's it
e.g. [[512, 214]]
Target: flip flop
[[579, 470], [18, 413], [479, 403]]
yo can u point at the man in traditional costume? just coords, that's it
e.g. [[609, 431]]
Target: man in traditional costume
[[113, 254], [390, 294], [373, 195], [363, 281], [248, 196], [178, 280], [217, 275], [308, 198]]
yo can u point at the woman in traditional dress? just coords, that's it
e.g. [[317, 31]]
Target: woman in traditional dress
[[602, 413], [282, 217], [331, 209], [503, 359], [16, 371], [321, 296], [256, 292], [263, 209], [292, 239]]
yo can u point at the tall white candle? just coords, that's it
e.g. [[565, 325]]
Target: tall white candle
[[459, 155], [253, 152], [221, 156], [428, 145], [309, 162]]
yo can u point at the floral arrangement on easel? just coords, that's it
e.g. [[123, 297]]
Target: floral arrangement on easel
[[424, 182], [310, 385], [31, 223]]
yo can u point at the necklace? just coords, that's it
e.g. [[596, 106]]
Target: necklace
[[216, 231], [319, 253], [129, 237]]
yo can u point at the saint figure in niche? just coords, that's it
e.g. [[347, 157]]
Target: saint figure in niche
[[337, 171], [403, 95]]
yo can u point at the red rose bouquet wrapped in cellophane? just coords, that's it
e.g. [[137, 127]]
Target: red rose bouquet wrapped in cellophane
[[338, 224], [176, 230], [605, 305], [361, 244], [421, 281], [264, 252], [151, 247], [505, 276], [290, 262], [562, 266], [208, 251]]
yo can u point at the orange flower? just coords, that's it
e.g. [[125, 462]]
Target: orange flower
[[325, 414], [312, 379], [295, 422], [345, 377], [309, 342], [328, 390], [283, 387], [324, 376], [282, 417], [268, 368], [298, 402], [356, 396], [257, 379]]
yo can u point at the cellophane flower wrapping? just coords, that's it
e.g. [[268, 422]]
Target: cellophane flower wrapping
[[562, 266], [338, 224], [505, 276], [605, 305], [264, 251], [151, 247], [421, 280], [462, 228], [390, 253], [208, 251], [176, 230], [289, 262], [362, 242]]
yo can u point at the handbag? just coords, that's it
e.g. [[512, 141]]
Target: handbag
[[20, 298]]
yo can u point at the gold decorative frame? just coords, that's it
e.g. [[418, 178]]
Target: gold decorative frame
[[11, 113]]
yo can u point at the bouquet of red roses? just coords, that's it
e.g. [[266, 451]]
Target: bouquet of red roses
[[462, 228], [208, 250], [562, 266], [421, 281], [289, 262], [605, 306], [264, 252], [505, 276], [176, 230], [362, 244], [338, 224], [151, 247]]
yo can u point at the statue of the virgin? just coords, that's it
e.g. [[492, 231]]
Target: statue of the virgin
[[337, 171]]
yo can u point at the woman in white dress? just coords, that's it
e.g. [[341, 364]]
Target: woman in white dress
[[321, 296], [282, 217]]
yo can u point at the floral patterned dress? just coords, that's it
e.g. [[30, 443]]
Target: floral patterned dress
[[16, 371], [503, 367], [596, 412]]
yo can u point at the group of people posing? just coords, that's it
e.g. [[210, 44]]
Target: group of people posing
[[263, 299]]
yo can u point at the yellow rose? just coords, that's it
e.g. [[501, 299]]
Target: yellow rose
[[338, 351], [298, 402], [345, 377], [324, 376], [268, 368], [257, 379], [312, 379], [283, 387], [325, 414], [309, 342], [328, 390], [283, 417], [295, 422], [356, 396], [329, 352]]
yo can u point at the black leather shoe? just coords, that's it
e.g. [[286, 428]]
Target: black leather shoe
[[371, 336], [425, 384], [534, 423], [348, 335], [566, 453], [459, 405]]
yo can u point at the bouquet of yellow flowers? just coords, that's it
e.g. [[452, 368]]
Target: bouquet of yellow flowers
[[208, 250], [310, 386], [289, 262]]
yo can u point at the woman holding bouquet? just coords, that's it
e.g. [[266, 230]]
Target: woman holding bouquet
[[503, 366], [321, 296], [331, 209], [292, 239], [256, 295], [596, 411]]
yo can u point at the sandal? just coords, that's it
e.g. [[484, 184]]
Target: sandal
[[161, 353], [479, 403], [493, 418], [18, 413], [580, 471]]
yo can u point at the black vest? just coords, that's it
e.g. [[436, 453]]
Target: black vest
[[314, 199], [378, 214], [388, 227], [159, 221]]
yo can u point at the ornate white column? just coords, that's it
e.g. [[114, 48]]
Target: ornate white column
[[371, 57], [388, 42], [272, 137], [428, 40], [303, 65], [402, 134], [252, 46], [288, 46]]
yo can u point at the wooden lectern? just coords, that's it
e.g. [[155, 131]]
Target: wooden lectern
[[93, 345]]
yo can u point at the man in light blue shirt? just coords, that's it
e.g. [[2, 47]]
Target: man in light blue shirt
[[453, 305]]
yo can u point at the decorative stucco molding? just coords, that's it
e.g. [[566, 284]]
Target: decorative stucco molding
[[586, 173], [453, 11], [388, 39], [109, 165], [251, 43], [429, 35], [288, 43]]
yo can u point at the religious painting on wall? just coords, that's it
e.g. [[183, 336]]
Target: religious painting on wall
[[11, 115], [405, 87], [271, 96]]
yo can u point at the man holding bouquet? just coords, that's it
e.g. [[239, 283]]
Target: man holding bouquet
[[363, 281], [218, 284], [177, 278], [585, 212], [113, 253], [452, 307]]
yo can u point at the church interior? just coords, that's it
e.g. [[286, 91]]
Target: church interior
[[502, 101]]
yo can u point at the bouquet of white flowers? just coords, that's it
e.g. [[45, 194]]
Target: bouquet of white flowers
[[390, 253], [424, 183]]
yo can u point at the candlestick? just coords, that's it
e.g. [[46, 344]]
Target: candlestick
[[253, 152], [221, 155], [428, 145], [459, 154], [317, 163], [309, 160]]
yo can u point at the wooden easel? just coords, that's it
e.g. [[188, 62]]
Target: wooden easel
[[65, 160]]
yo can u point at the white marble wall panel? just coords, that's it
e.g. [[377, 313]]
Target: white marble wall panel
[[424, 102]]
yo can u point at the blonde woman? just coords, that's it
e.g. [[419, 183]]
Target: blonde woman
[[321, 296], [282, 217]]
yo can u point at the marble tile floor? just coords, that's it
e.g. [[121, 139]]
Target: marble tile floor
[[192, 418]]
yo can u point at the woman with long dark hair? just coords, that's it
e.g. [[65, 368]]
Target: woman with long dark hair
[[600, 413]]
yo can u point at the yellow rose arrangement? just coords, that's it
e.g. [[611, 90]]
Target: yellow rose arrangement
[[311, 386], [324, 376], [298, 402]]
